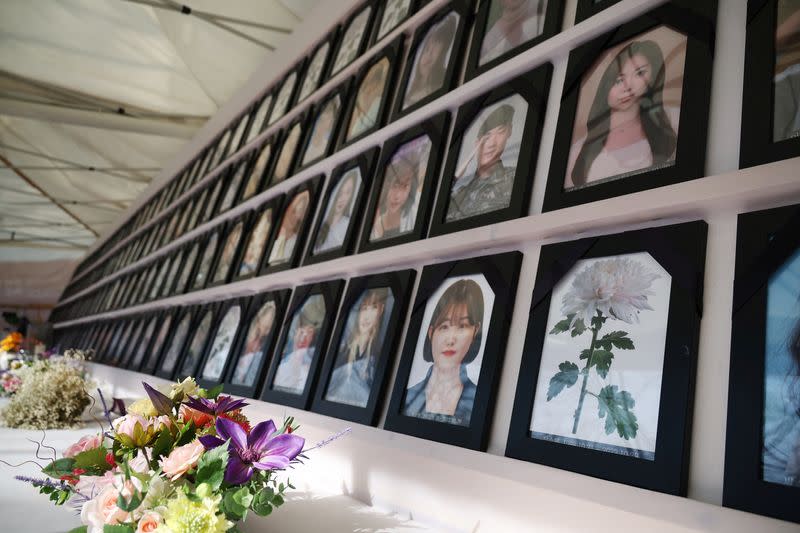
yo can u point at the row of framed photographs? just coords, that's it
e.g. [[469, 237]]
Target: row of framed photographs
[[668, 60], [606, 378], [637, 378]]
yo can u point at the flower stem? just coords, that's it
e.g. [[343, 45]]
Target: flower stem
[[578, 410]]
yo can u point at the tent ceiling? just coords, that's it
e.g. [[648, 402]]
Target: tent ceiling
[[95, 97]]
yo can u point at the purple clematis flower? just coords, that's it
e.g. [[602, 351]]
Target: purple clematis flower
[[223, 404], [260, 449]]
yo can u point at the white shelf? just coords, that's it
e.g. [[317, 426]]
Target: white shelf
[[749, 189], [550, 50]]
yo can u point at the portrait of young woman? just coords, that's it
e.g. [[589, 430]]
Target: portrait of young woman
[[261, 326], [293, 218], [628, 110], [431, 60], [339, 211], [365, 113]]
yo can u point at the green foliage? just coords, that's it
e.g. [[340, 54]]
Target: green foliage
[[163, 444], [601, 360], [617, 339], [119, 528], [615, 406], [93, 461], [563, 325], [186, 434], [60, 467], [212, 394], [235, 502], [211, 467], [598, 320], [578, 328], [566, 377], [57, 496], [132, 504], [79, 529]]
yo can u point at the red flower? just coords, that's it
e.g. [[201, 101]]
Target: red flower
[[237, 416], [110, 460], [78, 471], [72, 480]]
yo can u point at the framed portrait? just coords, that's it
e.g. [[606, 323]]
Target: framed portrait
[[762, 448], [198, 339], [589, 8], [163, 267], [198, 202], [212, 369], [390, 14], [238, 132], [257, 339], [259, 121], [139, 352], [186, 209], [176, 340], [205, 264], [504, 29], [171, 277], [642, 70], [258, 238], [402, 191], [232, 184], [162, 330], [297, 215], [318, 64], [354, 37], [147, 282], [434, 59], [336, 227], [229, 252], [606, 382], [770, 110], [127, 350], [323, 128], [117, 348], [356, 368], [286, 94], [453, 352], [219, 151], [292, 373], [285, 160], [372, 94], [257, 169], [190, 258], [488, 176]]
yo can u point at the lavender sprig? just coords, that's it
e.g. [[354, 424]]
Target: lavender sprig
[[44, 482], [330, 439]]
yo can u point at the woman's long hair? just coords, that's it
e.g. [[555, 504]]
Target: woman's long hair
[[376, 297], [443, 33], [325, 228], [656, 125], [464, 292]]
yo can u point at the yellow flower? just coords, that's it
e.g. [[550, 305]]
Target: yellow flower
[[143, 407], [185, 516]]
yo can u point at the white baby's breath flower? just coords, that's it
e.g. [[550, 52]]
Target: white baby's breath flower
[[617, 287]]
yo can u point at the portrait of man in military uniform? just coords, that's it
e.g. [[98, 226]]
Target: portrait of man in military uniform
[[487, 162]]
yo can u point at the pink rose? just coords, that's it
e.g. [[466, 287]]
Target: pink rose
[[103, 510], [139, 463], [89, 442], [182, 459], [125, 425], [90, 486], [149, 521]]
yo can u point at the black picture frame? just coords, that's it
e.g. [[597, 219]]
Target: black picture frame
[[501, 273], [464, 10], [187, 362], [170, 357], [680, 250], [223, 308], [176, 261], [326, 61], [129, 347], [589, 8], [300, 121], [400, 284], [261, 113], [695, 20], [361, 45], [205, 260], [310, 186], [376, 27], [258, 169], [191, 256], [151, 359], [533, 87], [436, 129], [234, 180], [218, 278], [279, 299], [551, 25], [758, 145], [139, 352], [213, 199], [273, 204], [276, 113], [122, 338], [365, 162], [765, 241], [393, 53], [341, 92], [330, 292], [239, 127]]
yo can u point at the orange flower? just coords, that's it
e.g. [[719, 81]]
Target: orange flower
[[200, 419]]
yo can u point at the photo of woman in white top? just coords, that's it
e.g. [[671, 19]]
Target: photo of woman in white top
[[628, 128]]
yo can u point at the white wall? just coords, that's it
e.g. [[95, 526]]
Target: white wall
[[472, 491]]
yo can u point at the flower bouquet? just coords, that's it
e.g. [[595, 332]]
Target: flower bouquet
[[186, 460]]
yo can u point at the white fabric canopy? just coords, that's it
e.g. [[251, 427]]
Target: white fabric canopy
[[118, 86]]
